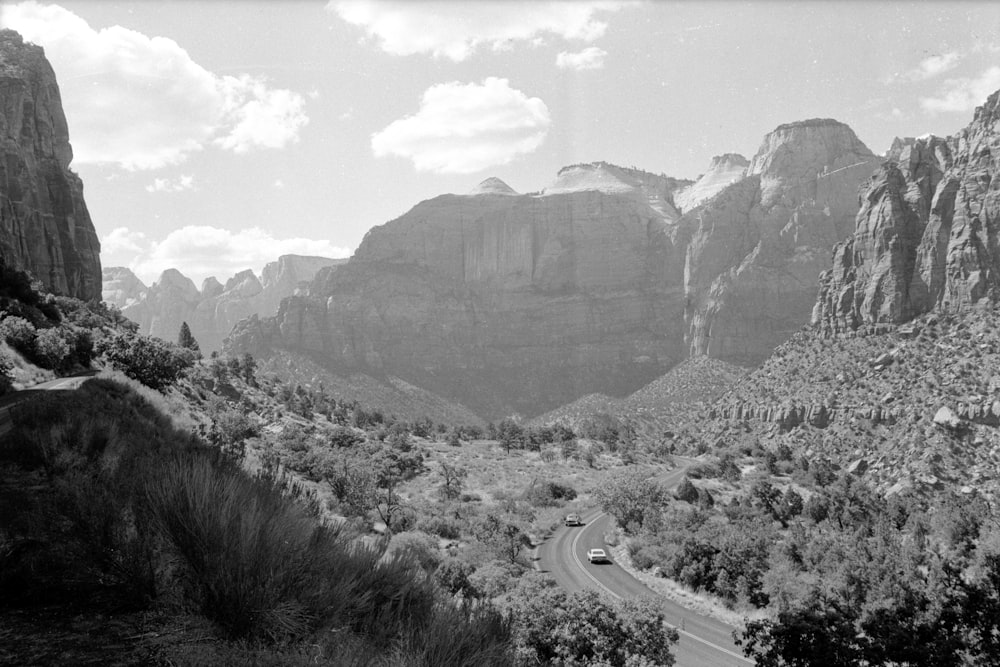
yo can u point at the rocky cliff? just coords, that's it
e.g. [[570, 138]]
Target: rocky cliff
[[523, 302], [45, 228], [759, 244], [211, 311], [926, 235], [723, 171]]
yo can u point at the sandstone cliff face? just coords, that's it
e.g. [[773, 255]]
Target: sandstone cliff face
[[759, 245], [211, 312], [506, 302], [121, 287], [926, 235], [722, 172], [45, 228], [520, 303]]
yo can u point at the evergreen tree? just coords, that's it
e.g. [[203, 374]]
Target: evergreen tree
[[186, 340]]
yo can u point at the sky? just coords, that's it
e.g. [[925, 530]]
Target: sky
[[215, 136]]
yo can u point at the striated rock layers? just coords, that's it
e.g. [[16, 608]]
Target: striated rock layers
[[927, 234], [212, 311], [45, 228], [505, 302], [759, 244], [599, 283]]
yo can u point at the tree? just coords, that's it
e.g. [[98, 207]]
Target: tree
[[19, 334], [504, 534], [453, 478], [630, 497], [51, 348], [510, 434], [147, 360], [248, 369], [186, 340], [553, 628]]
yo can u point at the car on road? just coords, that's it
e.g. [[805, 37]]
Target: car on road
[[598, 556], [573, 520]]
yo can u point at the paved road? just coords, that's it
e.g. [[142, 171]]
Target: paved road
[[704, 641], [59, 384]]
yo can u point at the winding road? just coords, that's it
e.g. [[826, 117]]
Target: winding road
[[704, 641], [59, 384]]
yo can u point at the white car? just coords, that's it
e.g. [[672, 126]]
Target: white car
[[598, 556]]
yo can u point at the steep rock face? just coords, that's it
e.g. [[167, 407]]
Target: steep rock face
[[927, 235], [121, 287], [751, 266], [212, 311], [722, 172], [45, 228], [506, 302]]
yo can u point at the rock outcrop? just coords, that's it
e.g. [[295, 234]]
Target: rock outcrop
[[759, 244], [521, 303], [926, 236], [45, 228], [212, 311], [722, 172], [121, 287]]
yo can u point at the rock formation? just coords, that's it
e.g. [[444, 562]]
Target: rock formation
[[759, 244], [121, 287], [212, 311], [926, 235], [45, 228], [722, 172], [520, 303]]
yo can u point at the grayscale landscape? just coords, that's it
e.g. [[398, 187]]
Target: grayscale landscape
[[376, 333]]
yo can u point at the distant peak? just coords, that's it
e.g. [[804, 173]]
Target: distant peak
[[492, 186], [810, 122], [729, 159]]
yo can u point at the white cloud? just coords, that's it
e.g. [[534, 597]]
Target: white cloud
[[933, 65], [455, 29], [141, 102], [202, 251], [464, 128], [121, 241], [591, 57], [963, 94], [166, 185]]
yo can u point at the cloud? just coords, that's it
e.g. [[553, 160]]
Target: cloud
[[464, 128], [166, 185], [141, 102], [121, 241], [963, 94], [455, 30], [200, 251], [931, 66], [591, 57]]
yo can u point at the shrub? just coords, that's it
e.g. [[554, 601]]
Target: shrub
[[19, 334], [51, 348], [6, 374], [148, 360]]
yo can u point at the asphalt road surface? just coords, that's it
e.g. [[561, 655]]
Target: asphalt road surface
[[704, 641], [59, 384]]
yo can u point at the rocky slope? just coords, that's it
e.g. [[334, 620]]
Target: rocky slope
[[45, 228], [211, 311], [758, 245], [926, 235], [597, 284]]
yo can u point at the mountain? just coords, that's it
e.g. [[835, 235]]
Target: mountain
[[723, 171], [599, 283], [759, 244], [45, 228], [926, 237], [210, 312]]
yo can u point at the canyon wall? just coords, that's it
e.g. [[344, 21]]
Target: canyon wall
[[45, 228]]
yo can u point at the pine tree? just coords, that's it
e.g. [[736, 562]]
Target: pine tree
[[186, 340]]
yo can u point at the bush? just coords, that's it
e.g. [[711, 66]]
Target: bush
[[19, 334], [148, 360], [6, 374], [51, 348]]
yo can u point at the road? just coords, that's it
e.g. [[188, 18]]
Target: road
[[59, 384], [704, 641]]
